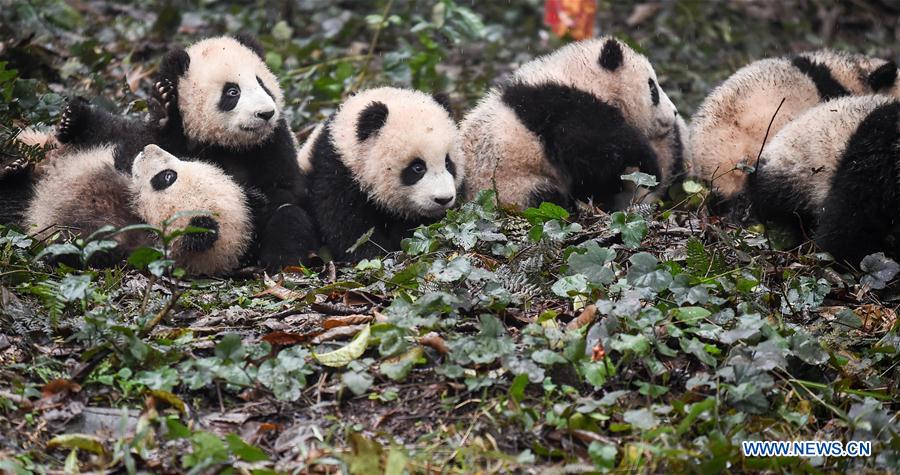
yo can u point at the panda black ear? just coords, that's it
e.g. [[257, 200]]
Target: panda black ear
[[174, 64], [611, 55], [443, 99], [883, 77], [371, 120], [251, 43]]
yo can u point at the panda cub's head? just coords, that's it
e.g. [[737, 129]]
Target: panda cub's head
[[164, 186], [401, 147], [614, 73], [226, 93]]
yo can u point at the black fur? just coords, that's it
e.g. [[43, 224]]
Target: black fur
[[413, 172], [252, 44], [343, 212], [371, 120], [828, 87], [587, 140], [269, 168], [16, 191], [451, 167], [444, 100], [884, 77], [198, 242], [611, 55], [231, 94], [863, 204], [654, 91], [677, 154], [163, 179], [263, 85]]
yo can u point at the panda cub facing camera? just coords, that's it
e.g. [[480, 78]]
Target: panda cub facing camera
[[834, 173], [82, 191], [387, 160], [566, 126], [217, 102]]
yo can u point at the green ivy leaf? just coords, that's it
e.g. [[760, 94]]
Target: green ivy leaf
[[593, 263], [632, 227]]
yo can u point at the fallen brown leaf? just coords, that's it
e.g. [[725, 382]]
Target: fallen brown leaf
[[338, 333], [286, 339], [875, 317], [279, 291], [435, 341], [341, 321], [58, 386], [588, 315]]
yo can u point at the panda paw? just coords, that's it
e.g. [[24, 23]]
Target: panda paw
[[165, 94], [15, 167], [71, 120]]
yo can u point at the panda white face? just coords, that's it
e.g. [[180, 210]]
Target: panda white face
[[431, 185], [227, 95], [403, 150], [163, 186]]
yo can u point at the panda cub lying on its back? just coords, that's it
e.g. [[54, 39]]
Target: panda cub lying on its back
[[566, 126], [82, 192], [388, 160], [835, 171], [221, 104]]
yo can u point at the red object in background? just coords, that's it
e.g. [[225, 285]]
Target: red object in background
[[574, 18]]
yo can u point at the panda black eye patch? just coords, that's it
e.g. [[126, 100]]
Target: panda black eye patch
[[163, 179], [264, 87], [451, 167], [654, 91], [231, 94], [413, 172]]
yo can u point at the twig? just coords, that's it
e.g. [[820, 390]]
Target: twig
[[371, 53], [766, 137]]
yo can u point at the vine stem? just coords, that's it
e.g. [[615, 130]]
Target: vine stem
[[370, 54]]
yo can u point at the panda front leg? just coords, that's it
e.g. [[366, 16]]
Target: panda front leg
[[596, 159], [858, 215], [84, 124], [287, 238]]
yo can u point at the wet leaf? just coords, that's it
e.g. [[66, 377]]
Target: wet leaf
[[343, 356], [87, 442]]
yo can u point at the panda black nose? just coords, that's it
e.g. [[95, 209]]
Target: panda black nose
[[443, 201], [265, 115]]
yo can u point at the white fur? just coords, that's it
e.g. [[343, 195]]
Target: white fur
[[416, 127], [215, 62], [810, 148], [729, 127], [199, 187], [304, 154], [502, 154]]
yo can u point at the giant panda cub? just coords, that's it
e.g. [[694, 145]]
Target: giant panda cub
[[566, 126], [728, 129], [834, 171], [82, 191], [388, 159], [220, 103]]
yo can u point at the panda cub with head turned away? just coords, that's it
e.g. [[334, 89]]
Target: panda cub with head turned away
[[834, 174], [219, 103], [82, 191], [387, 160], [729, 128], [566, 126]]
